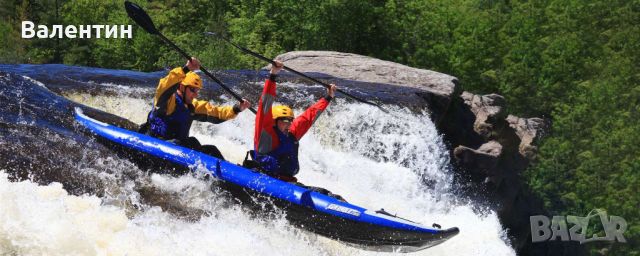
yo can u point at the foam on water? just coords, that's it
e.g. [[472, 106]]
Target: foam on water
[[133, 109], [45, 220], [396, 162]]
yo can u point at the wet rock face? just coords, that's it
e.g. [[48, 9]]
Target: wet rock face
[[493, 149], [491, 124], [482, 161], [35, 124]]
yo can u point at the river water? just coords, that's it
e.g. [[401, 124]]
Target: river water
[[63, 193]]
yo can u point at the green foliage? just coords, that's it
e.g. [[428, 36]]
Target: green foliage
[[592, 156], [574, 61], [12, 50]]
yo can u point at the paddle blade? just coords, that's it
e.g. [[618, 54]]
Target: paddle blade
[[137, 14], [383, 110], [210, 34], [217, 35]]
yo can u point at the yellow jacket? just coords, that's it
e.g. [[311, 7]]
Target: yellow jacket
[[165, 102]]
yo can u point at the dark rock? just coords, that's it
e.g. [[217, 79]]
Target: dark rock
[[483, 160], [530, 131], [488, 109], [457, 126]]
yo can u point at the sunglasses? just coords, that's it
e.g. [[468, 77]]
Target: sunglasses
[[193, 90], [286, 120]]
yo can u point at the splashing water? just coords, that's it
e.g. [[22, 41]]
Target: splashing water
[[374, 160]]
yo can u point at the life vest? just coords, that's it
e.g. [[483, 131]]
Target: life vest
[[283, 160], [174, 126]]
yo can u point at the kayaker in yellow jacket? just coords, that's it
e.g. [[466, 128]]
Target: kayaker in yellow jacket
[[175, 107]]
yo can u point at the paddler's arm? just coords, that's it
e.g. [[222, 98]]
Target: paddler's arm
[[170, 83], [302, 123], [264, 138], [207, 112]]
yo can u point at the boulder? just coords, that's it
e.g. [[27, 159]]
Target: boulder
[[483, 161], [437, 89], [488, 109], [530, 131]]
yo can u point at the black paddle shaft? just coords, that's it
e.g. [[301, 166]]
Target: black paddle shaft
[[137, 14], [293, 70]]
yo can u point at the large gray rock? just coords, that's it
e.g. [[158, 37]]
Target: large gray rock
[[438, 89], [368, 69]]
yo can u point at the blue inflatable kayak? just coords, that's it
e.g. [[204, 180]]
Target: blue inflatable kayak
[[305, 208]]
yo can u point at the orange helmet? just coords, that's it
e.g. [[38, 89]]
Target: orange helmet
[[193, 80], [281, 111]]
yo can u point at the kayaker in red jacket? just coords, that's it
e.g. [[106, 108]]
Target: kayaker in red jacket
[[277, 132]]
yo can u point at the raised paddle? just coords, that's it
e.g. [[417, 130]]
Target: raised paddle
[[292, 70], [137, 14]]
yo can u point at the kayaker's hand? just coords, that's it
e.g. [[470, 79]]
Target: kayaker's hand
[[244, 104], [193, 64], [276, 68], [332, 90]]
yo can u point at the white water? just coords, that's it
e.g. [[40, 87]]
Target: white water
[[372, 159]]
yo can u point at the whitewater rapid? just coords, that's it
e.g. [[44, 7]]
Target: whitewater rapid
[[397, 162]]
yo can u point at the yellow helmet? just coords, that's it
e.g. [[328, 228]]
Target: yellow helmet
[[281, 111], [193, 80]]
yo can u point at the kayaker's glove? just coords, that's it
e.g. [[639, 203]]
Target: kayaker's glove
[[268, 163], [273, 77], [237, 108], [331, 90]]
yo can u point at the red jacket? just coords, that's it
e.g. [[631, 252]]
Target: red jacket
[[265, 138]]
